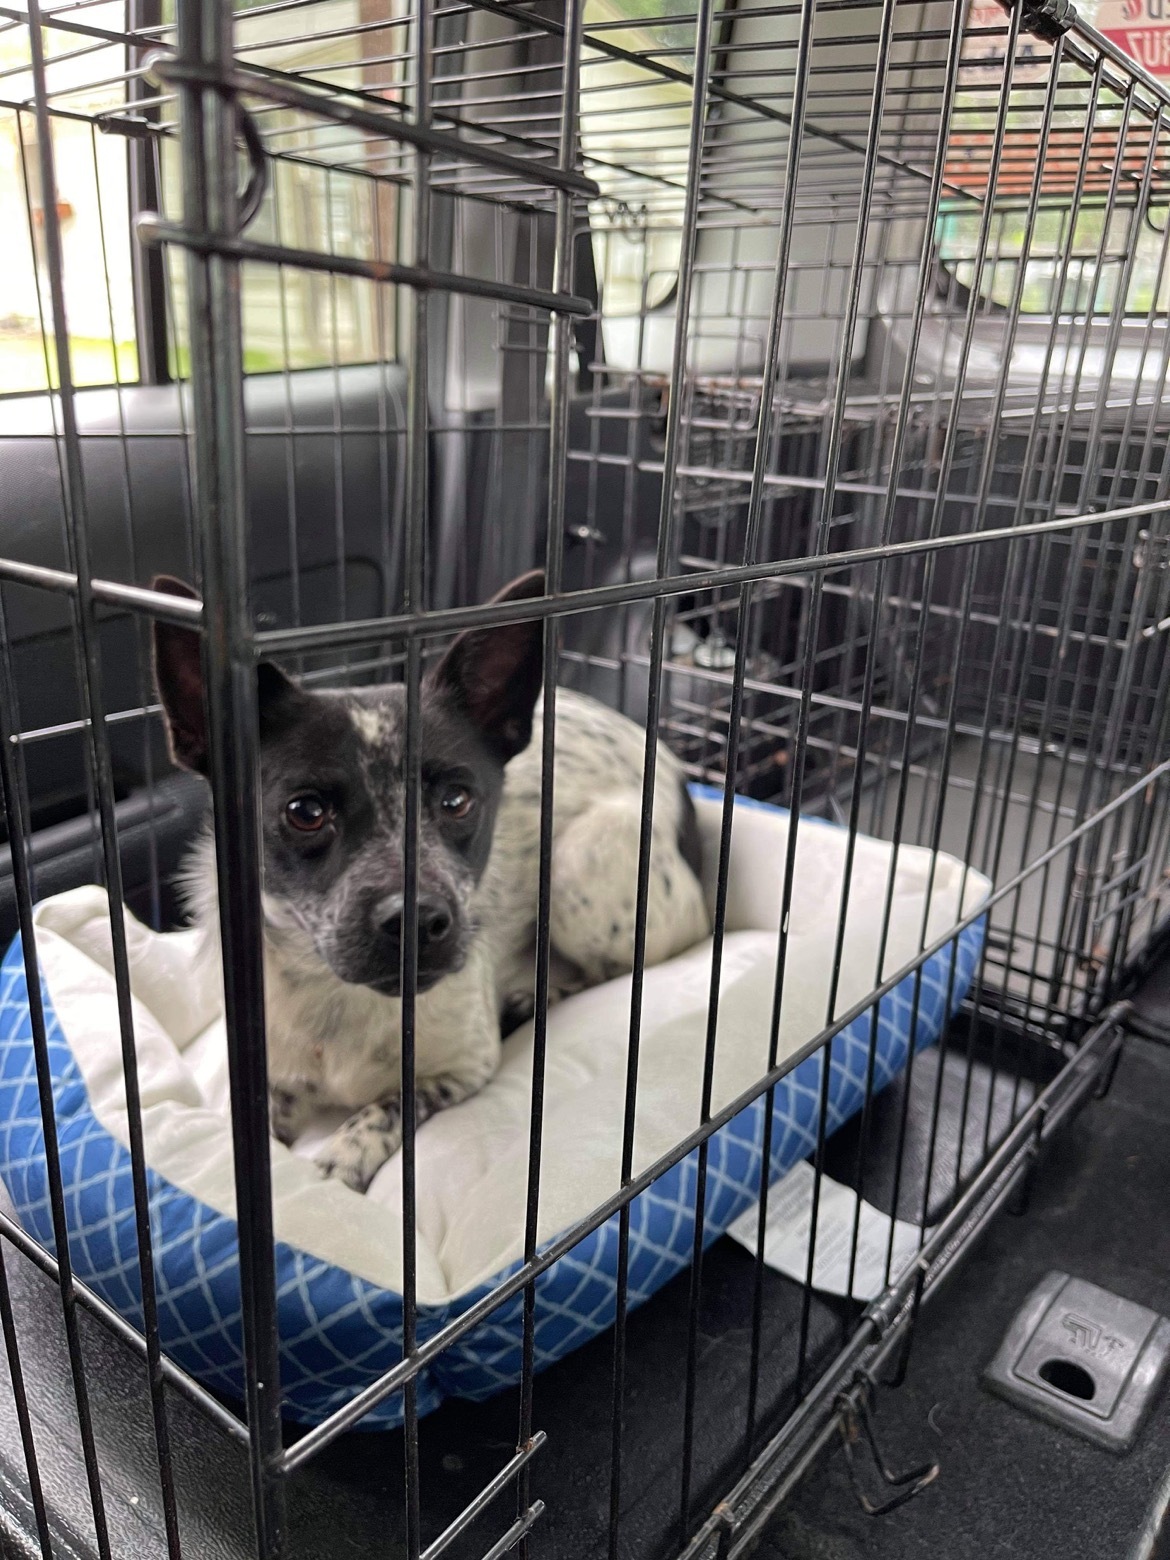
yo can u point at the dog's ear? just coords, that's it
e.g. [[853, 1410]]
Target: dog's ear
[[178, 676], [493, 675]]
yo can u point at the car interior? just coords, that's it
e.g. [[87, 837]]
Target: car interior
[[878, 282]]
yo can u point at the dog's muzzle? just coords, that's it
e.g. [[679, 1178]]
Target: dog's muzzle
[[439, 944]]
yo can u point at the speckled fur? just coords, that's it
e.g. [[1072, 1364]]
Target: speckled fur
[[334, 1042]]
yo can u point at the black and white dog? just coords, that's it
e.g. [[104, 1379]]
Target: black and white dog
[[333, 799]]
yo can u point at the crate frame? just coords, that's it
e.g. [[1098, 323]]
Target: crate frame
[[1077, 1014]]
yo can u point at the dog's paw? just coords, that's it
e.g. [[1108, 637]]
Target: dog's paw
[[361, 1146]]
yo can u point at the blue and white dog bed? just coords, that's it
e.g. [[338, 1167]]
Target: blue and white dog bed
[[339, 1256]]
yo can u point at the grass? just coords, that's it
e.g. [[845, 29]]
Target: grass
[[22, 363]]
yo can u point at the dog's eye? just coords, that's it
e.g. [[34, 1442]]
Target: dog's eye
[[457, 801], [307, 813]]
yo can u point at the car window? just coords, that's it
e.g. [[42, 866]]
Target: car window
[[85, 79], [293, 319], [1084, 251], [328, 191], [631, 116]]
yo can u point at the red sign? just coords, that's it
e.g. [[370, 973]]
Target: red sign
[[1141, 28]]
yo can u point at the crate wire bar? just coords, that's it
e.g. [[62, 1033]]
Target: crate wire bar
[[819, 353]]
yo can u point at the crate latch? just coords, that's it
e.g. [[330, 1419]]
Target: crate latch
[[1047, 19], [856, 1423]]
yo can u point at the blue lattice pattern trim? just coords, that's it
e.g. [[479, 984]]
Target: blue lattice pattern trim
[[339, 1332]]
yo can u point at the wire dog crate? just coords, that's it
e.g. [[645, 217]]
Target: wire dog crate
[[819, 353]]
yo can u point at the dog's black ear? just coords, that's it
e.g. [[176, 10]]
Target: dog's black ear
[[178, 675], [493, 675]]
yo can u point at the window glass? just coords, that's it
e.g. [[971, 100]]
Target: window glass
[[326, 191], [633, 118], [85, 79], [1074, 264]]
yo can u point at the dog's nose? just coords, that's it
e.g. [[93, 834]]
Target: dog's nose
[[435, 921]]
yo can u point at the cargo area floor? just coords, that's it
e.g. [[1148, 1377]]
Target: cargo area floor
[[1009, 1484]]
